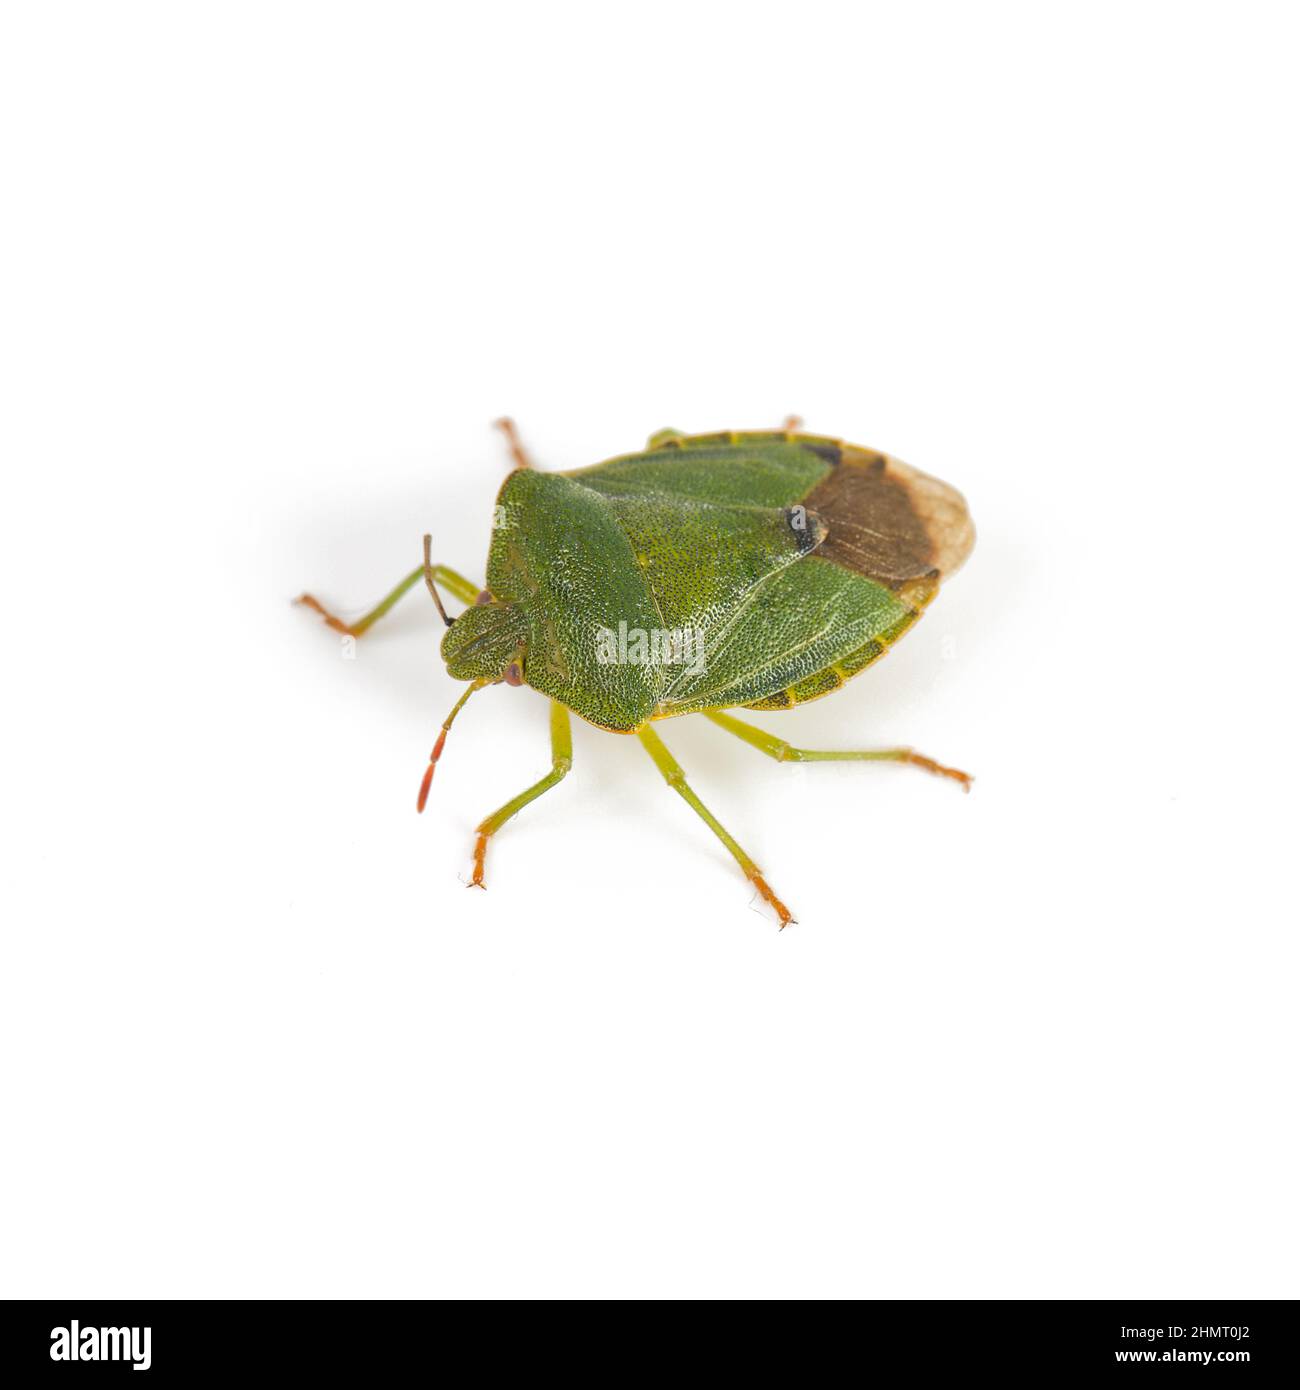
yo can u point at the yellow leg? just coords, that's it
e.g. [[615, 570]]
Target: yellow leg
[[783, 752], [561, 762], [676, 779], [454, 583]]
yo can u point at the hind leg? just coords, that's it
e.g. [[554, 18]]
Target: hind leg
[[784, 752]]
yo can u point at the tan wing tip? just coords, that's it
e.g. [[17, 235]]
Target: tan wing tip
[[943, 512]]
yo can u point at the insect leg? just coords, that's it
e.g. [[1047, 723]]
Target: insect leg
[[792, 424], [561, 762], [454, 583], [783, 752], [507, 427], [676, 779]]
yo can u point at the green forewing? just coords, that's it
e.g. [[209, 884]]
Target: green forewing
[[776, 473], [701, 560], [802, 622], [789, 556]]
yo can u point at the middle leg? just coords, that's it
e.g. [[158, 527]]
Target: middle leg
[[676, 779]]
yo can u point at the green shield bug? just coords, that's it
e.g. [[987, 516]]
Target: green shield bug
[[711, 572]]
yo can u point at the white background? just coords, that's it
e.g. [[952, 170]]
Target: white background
[[269, 273]]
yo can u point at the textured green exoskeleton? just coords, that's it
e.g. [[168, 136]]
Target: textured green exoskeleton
[[710, 572]]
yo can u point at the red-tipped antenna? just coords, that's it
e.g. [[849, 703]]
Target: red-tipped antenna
[[442, 738]]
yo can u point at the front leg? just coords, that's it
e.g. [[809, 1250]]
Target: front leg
[[561, 762], [454, 583]]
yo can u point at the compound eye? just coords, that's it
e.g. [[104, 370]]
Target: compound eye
[[514, 673]]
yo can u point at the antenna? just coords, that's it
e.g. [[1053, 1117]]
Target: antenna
[[442, 738], [428, 579]]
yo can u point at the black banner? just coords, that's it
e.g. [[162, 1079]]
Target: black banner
[[183, 1341]]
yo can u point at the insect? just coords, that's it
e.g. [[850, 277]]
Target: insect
[[711, 572]]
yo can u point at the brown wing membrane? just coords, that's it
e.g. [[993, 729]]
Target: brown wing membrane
[[890, 522]]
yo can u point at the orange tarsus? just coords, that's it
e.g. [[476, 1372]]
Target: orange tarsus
[[336, 623], [480, 854], [929, 764], [770, 897], [792, 424]]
